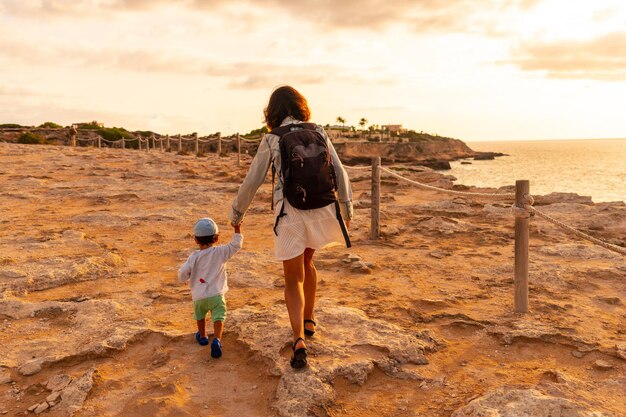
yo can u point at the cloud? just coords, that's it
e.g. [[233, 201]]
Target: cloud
[[239, 75], [369, 15], [16, 92], [603, 58], [33, 114]]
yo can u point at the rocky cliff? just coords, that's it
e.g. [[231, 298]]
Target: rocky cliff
[[417, 323], [431, 151], [423, 151]]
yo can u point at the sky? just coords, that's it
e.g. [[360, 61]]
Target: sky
[[470, 69]]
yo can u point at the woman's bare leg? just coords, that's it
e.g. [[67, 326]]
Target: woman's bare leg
[[310, 286], [294, 295]]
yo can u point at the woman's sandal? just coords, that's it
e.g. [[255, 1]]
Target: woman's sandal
[[307, 331], [298, 360]]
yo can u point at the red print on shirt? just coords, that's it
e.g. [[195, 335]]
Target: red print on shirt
[[202, 281]]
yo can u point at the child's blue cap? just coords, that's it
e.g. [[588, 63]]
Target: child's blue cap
[[205, 227]]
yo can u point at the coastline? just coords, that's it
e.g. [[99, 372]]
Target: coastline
[[585, 167], [419, 322]]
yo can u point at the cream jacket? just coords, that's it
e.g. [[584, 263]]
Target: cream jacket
[[269, 151]]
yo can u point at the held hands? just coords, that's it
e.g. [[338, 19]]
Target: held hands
[[237, 227]]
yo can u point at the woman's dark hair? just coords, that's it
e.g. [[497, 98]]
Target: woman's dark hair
[[206, 240], [286, 101]]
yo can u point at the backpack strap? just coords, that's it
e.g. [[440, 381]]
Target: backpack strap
[[280, 215], [273, 175], [273, 178], [281, 130], [342, 225]]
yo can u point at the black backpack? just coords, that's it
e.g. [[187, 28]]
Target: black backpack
[[307, 169]]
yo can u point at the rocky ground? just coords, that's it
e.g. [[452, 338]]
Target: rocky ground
[[418, 323]]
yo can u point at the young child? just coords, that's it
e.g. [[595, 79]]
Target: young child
[[205, 270]]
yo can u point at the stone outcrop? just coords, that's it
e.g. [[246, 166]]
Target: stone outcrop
[[510, 402], [348, 344], [487, 156], [553, 198], [67, 394], [424, 151], [5, 376], [90, 320]]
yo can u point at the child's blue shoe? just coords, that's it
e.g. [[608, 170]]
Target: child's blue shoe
[[216, 348], [202, 341]]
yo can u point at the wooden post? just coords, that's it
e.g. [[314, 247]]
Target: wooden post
[[180, 144], [195, 135], [147, 144], [238, 150], [521, 248], [138, 142], [168, 146], [123, 143], [161, 143], [219, 144], [99, 142], [375, 225], [73, 134]]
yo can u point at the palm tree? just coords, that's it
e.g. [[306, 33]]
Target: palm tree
[[371, 130], [341, 121], [362, 122]]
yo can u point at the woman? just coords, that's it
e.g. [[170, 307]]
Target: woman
[[298, 233]]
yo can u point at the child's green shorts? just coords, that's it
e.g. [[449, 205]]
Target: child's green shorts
[[216, 305]]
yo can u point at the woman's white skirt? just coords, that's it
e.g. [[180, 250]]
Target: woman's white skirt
[[301, 229]]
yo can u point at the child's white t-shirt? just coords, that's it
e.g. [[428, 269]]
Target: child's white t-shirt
[[205, 269]]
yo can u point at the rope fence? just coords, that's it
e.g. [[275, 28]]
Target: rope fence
[[357, 168], [522, 208], [518, 211], [606, 245], [452, 192], [252, 140], [181, 143]]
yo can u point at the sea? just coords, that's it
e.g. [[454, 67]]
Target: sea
[[590, 167]]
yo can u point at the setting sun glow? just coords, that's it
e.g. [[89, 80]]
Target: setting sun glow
[[475, 70]]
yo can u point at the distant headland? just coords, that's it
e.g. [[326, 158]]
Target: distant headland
[[393, 143]]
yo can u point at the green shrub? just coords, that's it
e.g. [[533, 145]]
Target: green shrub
[[31, 139], [91, 125], [145, 133], [50, 125], [11, 125], [256, 132], [113, 133]]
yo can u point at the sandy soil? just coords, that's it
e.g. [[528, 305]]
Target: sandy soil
[[418, 323]]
